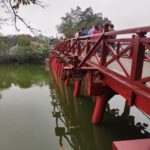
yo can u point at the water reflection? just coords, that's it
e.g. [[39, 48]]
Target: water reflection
[[32, 119], [65, 126], [128, 119], [23, 76], [73, 121], [66, 130], [25, 120], [68, 126]]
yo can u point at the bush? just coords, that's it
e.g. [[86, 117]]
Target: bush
[[31, 54], [22, 49]]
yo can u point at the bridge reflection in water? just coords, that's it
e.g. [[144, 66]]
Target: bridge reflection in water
[[73, 119]]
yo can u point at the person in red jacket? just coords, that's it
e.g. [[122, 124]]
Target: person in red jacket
[[96, 31]]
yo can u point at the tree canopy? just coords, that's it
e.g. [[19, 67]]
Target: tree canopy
[[78, 18]]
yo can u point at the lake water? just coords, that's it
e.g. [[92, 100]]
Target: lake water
[[39, 113]]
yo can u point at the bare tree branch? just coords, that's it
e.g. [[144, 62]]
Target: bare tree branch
[[11, 8]]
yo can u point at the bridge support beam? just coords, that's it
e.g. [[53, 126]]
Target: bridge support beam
[[67, 81], [99, 109], [101, 101], [61, 70], [77, 88], [57, 66]]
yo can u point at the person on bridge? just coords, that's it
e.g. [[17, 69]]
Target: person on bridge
[[96, 31], [77, 34], [91, 30], [84, 31], [111, 28]]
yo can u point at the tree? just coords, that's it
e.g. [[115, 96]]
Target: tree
[[11, 8], [77, 19], [24, 40], [4, 43]]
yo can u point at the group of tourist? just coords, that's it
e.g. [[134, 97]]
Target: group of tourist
[[96, 30], [93, 30]]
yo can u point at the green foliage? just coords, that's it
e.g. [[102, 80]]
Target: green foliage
[[24, 40], [23, 49], [77, 19], [31, 53], [12, 40], [23, 53], [44, 49], [4, 43]]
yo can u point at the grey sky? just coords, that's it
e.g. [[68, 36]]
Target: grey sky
[[123, 14]]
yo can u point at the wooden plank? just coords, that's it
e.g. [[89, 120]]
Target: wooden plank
[[139, 144]]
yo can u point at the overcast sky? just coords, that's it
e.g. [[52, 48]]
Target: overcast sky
[[123, 14]]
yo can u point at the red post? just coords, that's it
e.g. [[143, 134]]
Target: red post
[[99, 109], [104, 49], [79, 48], [118, 47], [131, 51], [90, 82], [138, 59], [67, 81], [137, 63], [53, 62], [57, 66], [87, 47], [60, 69], [77, 88]]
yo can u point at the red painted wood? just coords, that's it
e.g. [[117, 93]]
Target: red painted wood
[[77, 88], [96, 89], [132, 86], [138, 57], [139, 144], [67, 81], [99, 109], [143, 104]]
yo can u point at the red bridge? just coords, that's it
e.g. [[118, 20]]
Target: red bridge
[[123, 66]]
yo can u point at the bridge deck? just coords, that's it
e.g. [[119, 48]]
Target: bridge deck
[[126, 63]]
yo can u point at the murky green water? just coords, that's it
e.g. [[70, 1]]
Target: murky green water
[[39, 113]]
